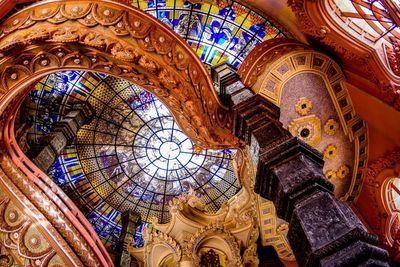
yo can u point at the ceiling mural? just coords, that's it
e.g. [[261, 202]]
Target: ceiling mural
[[131, 156], [227, 32]]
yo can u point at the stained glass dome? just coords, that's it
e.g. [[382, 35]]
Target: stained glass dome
[[227, 32], [132, 156]]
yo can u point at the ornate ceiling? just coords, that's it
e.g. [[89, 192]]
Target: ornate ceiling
[[132, 156], [227, 32]]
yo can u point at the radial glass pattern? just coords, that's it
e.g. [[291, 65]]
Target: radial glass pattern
[[131, 156], [227, 32]]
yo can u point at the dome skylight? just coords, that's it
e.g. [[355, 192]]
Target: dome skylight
[[227, 32], [132, 156]]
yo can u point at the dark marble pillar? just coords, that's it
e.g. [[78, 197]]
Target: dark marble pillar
[[130, 220], [323, 231], [64, 131]]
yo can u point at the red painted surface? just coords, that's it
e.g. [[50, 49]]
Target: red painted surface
[[58, 197]]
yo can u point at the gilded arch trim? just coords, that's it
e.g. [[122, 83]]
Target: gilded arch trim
[[118, 40], [270, 65]]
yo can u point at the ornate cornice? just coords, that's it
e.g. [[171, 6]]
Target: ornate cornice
[[365, 64], [388, 161], [261, 72], [23, 241], [115, 39]]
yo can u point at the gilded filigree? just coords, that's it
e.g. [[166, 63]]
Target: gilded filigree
[[21, 240], [331, 126], [330, 175], [343, 171], [303, 106], [123, 32], [307, 129], [330, 151]]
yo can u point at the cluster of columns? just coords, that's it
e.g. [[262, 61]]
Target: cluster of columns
[[64, 132], [323, 231]]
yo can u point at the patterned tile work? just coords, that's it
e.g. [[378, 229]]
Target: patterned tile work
[[131, 156], [227, 32]]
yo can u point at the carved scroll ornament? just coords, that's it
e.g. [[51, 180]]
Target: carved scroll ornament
[[365, 62], [121, 41]]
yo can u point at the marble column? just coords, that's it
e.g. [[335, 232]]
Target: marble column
[[130, 221], [323, 231], [51, 146]]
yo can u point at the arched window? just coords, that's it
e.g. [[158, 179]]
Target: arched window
[[393, 194]]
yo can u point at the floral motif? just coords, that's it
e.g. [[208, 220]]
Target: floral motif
[[343, 171], [303, 106], [330, 175], [308, 129], [331, 126], [330, 151]]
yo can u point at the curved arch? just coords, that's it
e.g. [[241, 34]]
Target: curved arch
[[387, 190], [163, 253], [363, 55], [105, 37], [159, 248], [214, 235], [377, 214], [272, 64], [122, 41], [392, 216]]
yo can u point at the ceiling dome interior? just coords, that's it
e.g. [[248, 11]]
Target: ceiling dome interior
[[223, 33], [132, 156]]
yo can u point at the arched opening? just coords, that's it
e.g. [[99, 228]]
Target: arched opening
[[393, 194], [131, 156]]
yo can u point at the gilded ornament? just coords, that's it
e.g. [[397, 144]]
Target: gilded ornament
[[331, 126], [303, 106], [343, 171], [307, 129], [330, 151], [330, 175]]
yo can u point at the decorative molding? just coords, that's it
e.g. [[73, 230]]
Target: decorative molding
[[270, 65], [125, 43], [375, 168], [383, 222], [215, 230], [364, 62], [160, 238], [22, 240], [273, 230]]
